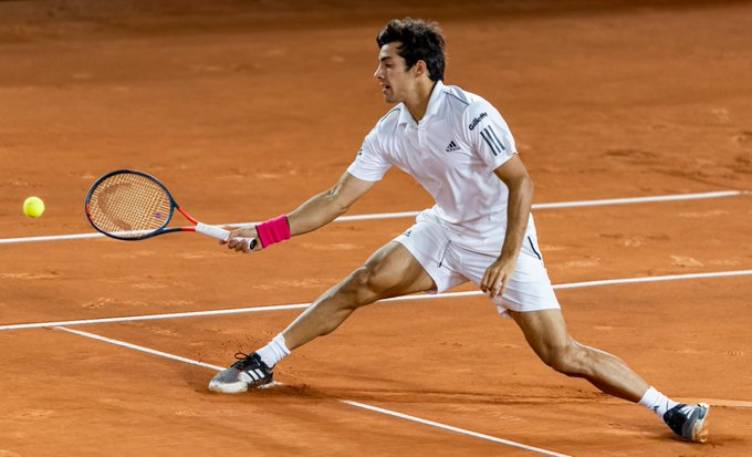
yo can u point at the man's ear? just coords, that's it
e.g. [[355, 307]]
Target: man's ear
[[420, 68]]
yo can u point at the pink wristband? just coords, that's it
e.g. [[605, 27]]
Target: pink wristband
[[273, 231]]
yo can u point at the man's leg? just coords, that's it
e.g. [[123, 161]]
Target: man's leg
[[391, 271], [547, 335]]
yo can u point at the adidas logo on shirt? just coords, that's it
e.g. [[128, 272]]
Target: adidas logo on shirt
[[452, 147]]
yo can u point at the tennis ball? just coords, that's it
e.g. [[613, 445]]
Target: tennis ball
[[33, 207]]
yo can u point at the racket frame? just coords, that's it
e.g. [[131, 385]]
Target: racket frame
[[159, 231]]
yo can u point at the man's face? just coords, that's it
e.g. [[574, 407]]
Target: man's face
[[396, 82]]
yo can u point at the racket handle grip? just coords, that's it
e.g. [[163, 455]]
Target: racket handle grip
[[213, 231], [221, 234]]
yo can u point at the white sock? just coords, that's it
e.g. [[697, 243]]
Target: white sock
[[275, 351], [657, 402]]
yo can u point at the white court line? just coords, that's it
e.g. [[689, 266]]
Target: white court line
[[634, 200], [406, 214], [136, 347], [450, 428], [355, 404], [725, 402], [261, 309]]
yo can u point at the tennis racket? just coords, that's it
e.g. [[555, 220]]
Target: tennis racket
[[130, 205]]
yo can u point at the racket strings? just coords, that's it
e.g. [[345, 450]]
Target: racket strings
[[129, 205]]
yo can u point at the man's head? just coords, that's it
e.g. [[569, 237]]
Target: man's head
[[411, 52]]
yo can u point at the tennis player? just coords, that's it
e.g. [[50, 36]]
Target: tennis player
[[460, 149]]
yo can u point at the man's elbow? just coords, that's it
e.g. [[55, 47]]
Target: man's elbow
[[522, 184], [529, 185], [336, 201]]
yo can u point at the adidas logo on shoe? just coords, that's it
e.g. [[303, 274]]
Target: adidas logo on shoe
[[452, 147]]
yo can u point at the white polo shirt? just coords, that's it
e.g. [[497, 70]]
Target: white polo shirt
[[452, 152]]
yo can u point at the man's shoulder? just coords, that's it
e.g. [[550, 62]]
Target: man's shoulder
[[477, 108], [465, 106], [388, 121], [391, 116], [384, 128], [460, 100]]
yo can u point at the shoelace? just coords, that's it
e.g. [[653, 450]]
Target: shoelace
[[243, 360]]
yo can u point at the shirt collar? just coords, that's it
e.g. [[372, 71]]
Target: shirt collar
[[434, 102], [437, 95]]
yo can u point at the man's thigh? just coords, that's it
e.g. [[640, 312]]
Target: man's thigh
[[545, 330], [393, 271]]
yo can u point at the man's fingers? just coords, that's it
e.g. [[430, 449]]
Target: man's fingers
[[484, 282], [498, 286], [243, 244], [235, 244], [494, 281], [491, 285], [488, 281]]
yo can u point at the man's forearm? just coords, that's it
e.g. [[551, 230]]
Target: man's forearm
[[315, 213], [518, 213]]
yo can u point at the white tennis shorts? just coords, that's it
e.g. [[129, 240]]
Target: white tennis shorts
[[449, 265]]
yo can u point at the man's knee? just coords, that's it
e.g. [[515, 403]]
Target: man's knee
[[369, 283], [567, 358]]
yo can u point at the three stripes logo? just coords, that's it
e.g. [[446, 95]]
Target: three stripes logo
[[489, 136], [256, 374], [452, 147]]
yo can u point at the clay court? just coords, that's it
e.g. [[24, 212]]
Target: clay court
[[245, 109]]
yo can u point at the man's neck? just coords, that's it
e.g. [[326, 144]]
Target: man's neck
[[417, 105]]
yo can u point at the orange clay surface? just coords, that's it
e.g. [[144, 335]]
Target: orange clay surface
[[245, 109]]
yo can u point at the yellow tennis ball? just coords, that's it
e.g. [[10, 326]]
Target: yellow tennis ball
[[33, 207]]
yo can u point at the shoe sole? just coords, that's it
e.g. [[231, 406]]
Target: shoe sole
[[701, 427], [238, 387], [227, 388]]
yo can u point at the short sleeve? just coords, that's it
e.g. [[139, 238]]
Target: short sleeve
[[370, 163], [488, 134]]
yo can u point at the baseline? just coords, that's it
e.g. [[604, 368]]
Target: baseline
[[406, 214]]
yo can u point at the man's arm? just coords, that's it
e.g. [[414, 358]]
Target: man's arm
[[323, 208], [514, 174], [318, 211]]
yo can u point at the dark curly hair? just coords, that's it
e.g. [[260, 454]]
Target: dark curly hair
[[420, 40]]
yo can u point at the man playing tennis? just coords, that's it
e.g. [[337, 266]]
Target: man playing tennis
[[458, 147]]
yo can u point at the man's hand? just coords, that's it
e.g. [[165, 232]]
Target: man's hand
[[239, 237], [495, 279]]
